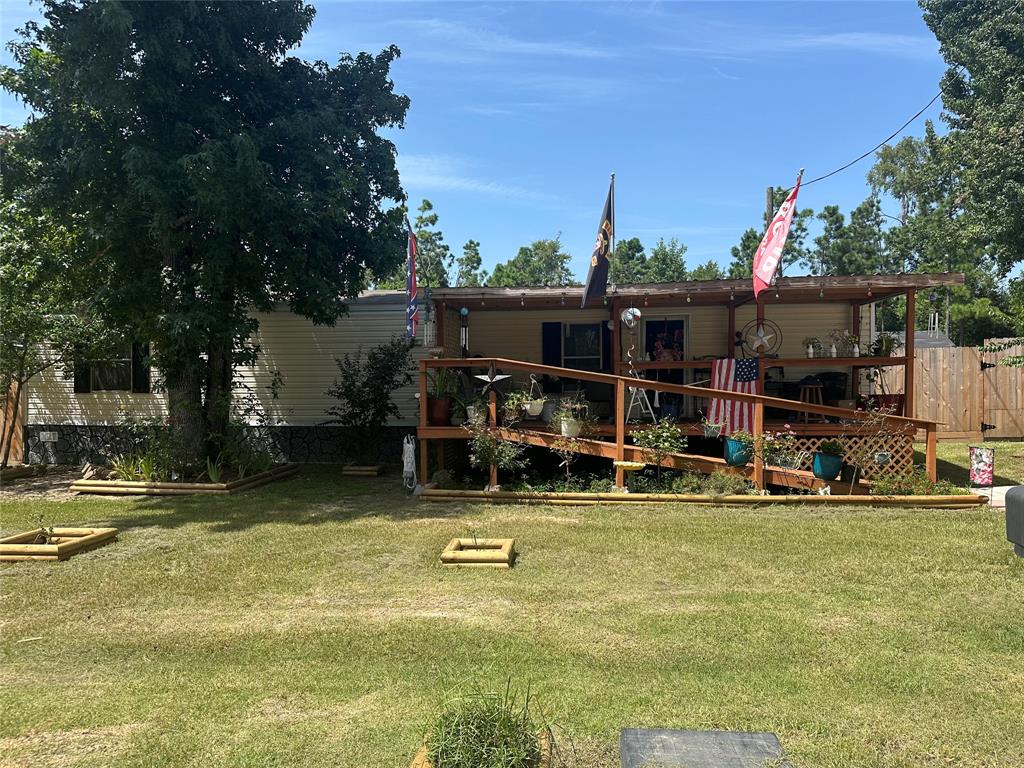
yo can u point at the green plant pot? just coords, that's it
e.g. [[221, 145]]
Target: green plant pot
[[737, 453], [826, 466]]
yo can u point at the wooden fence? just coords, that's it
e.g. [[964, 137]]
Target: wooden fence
[[952, 387]]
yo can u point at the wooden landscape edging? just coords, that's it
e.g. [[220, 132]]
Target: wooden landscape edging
[[68, 541], [16, 473], [558, 498], [141, 488]]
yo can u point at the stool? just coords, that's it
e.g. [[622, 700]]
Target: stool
[[812, 395]]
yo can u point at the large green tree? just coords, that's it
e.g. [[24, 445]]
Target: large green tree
[[470, 274], [433, 256], [628, 262], [543, 262], [856, 247], [214, 174], [983, 94], [666, 262]]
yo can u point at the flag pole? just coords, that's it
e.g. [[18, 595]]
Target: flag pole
[[613, 214], [771, 213]]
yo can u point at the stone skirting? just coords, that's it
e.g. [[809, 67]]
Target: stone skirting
[[76, 444]]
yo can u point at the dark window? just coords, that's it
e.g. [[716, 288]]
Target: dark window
[[113, 373], [581, 346]]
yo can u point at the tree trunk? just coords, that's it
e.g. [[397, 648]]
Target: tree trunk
[[12, 423], [218, 394], [185, 412]]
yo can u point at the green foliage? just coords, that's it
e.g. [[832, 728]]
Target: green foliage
[[983, 96], [666, 263], [485, 448], [469, 274], [214, 470], [915, 483], [363, 389], [854, 248], [659, 440], [442, 382], [433, 257], [541, 263], [485, 730], [689, 483], [628, 262], [212, 173], [709, 270], [832, 447]]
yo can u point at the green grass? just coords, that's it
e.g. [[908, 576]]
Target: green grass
[[952, 461], [309, 623]]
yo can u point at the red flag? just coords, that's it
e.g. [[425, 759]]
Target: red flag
[[769, 252]]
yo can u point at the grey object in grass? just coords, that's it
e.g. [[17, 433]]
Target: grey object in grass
[[664, 748]]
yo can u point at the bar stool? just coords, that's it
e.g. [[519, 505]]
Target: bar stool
[[812, 395]]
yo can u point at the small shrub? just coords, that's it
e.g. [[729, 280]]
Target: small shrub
[[659, 440], [688, 483], [485, 448], [832, 447], [916, 483], [124, 467], [721, 484], [485, 730]]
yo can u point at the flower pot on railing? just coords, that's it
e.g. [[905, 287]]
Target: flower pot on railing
[[826, 466], [737, 452], [534, 408], [439, 411], [571, 427]]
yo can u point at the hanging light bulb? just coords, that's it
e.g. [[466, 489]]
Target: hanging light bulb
[[563, 298], [870, 294], [732, 295], [482, 301], [688, 298], [522, 300], [645, 299], [776, 293], [821, 292]]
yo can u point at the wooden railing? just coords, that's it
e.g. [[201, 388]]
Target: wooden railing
[[621, 383]]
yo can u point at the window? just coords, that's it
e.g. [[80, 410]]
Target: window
[[581, 346], [126, 370], [113, 373]]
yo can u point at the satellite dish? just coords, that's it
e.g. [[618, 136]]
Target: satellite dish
[[631, 317]]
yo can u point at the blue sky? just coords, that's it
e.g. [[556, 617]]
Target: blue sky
[[520, 111]]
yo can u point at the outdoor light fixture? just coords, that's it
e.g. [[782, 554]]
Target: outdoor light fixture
[[732, 295], [821, 292], [870, 294], [563, 298], [645, 299], [688, 298], [776, 293], [522, 300]]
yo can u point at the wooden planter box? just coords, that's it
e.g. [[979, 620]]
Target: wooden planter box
[[65, 543], [543, 740], [583, 499], [486, 553], [357, 470], [138, 487]]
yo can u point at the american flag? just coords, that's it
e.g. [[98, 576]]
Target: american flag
[[733, 375], [412, 301]]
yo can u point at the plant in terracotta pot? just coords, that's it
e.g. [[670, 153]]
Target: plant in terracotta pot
[[828, 459], [439, 397], [739, 448]]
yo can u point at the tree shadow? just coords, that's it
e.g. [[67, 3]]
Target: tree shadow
[[316, 495]]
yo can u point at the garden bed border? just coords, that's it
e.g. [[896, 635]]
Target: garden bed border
[[139, 487], [20, 546], [579, 499]]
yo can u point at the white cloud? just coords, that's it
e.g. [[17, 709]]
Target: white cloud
[[484, 42], [444, 172]]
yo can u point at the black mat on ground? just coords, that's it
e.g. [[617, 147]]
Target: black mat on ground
[[662, 748]]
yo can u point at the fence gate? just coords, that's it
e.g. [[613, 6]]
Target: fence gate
[[1004, 400], [14, 411]]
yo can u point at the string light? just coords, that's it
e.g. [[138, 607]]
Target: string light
[[563, 298], [821, 292], [870, 294], [688, 298], [732, 295], [522, 300], [645, 299]]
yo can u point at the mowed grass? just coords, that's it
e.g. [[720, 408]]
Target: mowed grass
[[309, 623]]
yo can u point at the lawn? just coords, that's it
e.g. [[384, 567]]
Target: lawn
[[309, 623]]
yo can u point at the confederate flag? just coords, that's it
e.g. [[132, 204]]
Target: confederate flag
[[769, 252]]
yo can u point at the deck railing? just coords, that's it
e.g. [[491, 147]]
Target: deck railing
[[620, 384]]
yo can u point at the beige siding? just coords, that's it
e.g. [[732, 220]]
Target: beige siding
[[516, 334], [304, 354], [52, 400]]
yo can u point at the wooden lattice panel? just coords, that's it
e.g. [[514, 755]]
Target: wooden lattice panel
[[901, 448]]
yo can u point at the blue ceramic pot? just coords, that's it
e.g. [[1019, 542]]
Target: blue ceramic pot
[[826, 466], [737, 453]]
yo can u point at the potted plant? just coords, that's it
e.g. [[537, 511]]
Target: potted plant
[[514, 407], [781, 449], [711, 428], [569, 417], [883, 345], [659, 440], [739, 448], [439, 400], [828, 459], [812, 344]]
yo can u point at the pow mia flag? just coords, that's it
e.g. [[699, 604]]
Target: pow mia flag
[[597, 276]]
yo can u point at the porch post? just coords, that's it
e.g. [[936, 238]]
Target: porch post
[[758, 458], [424, 444], [439, 313], [855, 376], [760, 347], [908, 354], [492, 419], [620, 431], [616, 351], [931, 443], [730, 343]]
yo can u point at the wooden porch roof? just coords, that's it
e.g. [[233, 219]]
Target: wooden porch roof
[[856, 289]]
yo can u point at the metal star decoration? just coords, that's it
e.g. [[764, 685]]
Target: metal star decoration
[[491, 378]]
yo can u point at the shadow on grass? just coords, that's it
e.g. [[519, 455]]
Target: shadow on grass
[[316, 495], [959, 474]]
